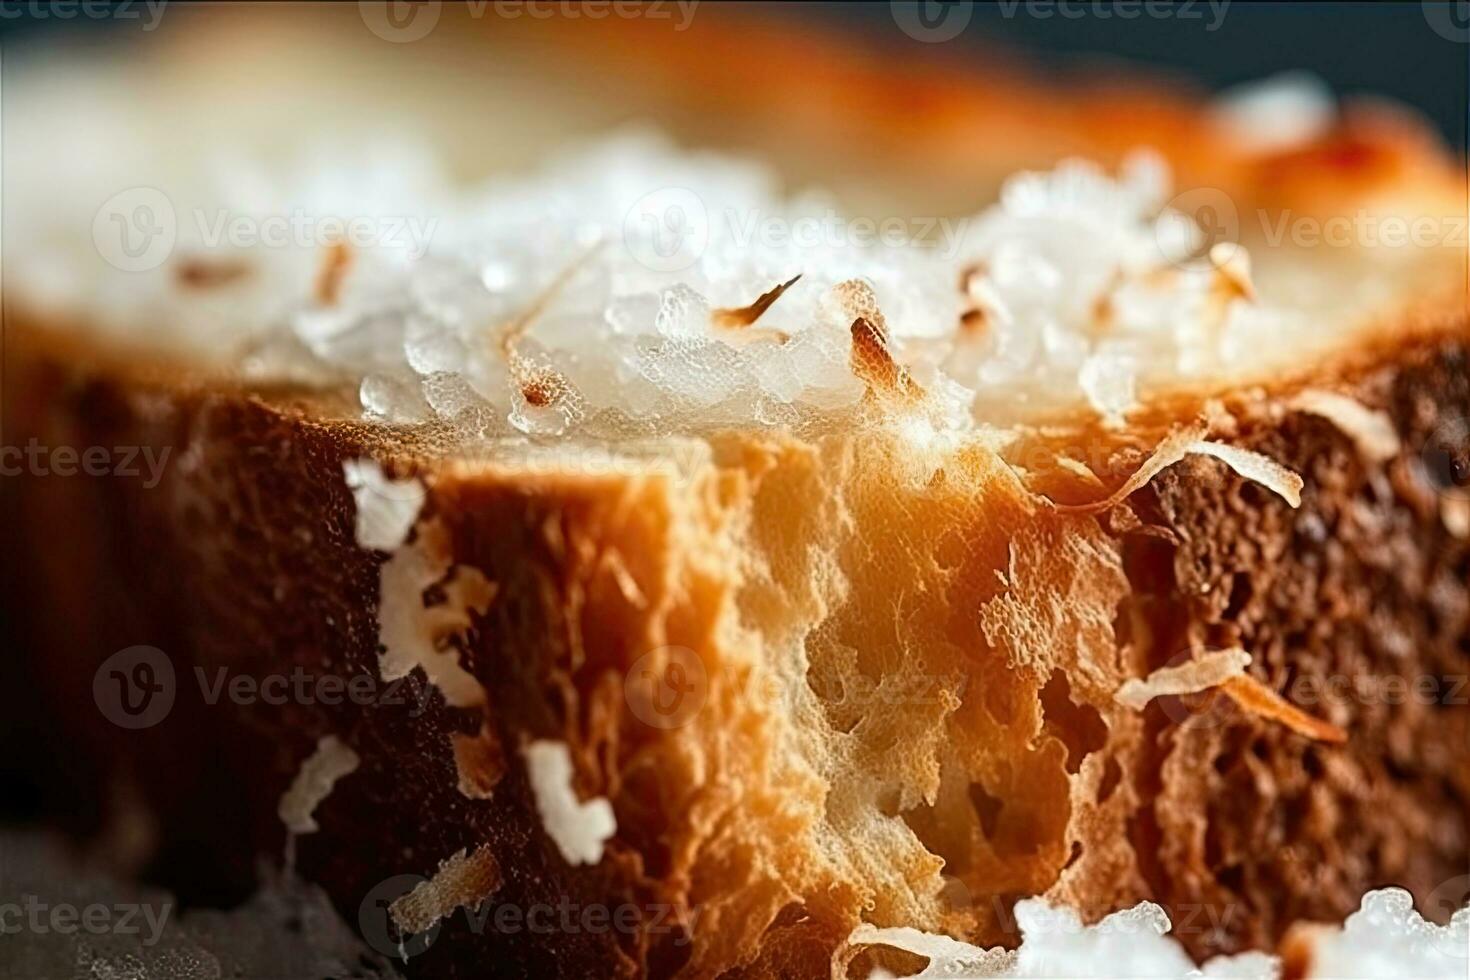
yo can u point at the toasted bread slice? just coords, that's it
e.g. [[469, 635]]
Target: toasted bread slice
[[717, 690]]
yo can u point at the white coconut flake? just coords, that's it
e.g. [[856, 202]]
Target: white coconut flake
[[415, 635], [578, 829], [1190, 441], [386, 508], [1254, 466], [331, 760], [1371, 431], [1129, 945], [1208, 670], [1169, 451], [1385, 938]]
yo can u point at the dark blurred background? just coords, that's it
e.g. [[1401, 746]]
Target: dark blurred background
[[1396, 49], [1418, 53]]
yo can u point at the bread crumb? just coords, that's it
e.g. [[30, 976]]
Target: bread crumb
[[462, 881]]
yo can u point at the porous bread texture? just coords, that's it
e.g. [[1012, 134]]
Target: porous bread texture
[[890, 636], [910, 660]]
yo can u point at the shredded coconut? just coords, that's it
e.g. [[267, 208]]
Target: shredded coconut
[[1171, 450], [1191, 441], [579, 829], [1206, 671], [1254, 466], [331, 760], [1385, 938], [1225, 669], [415, 635], [1371, 431], [386, 508]]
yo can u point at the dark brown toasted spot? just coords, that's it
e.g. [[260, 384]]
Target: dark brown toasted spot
[[544, 387], [974, 323]]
